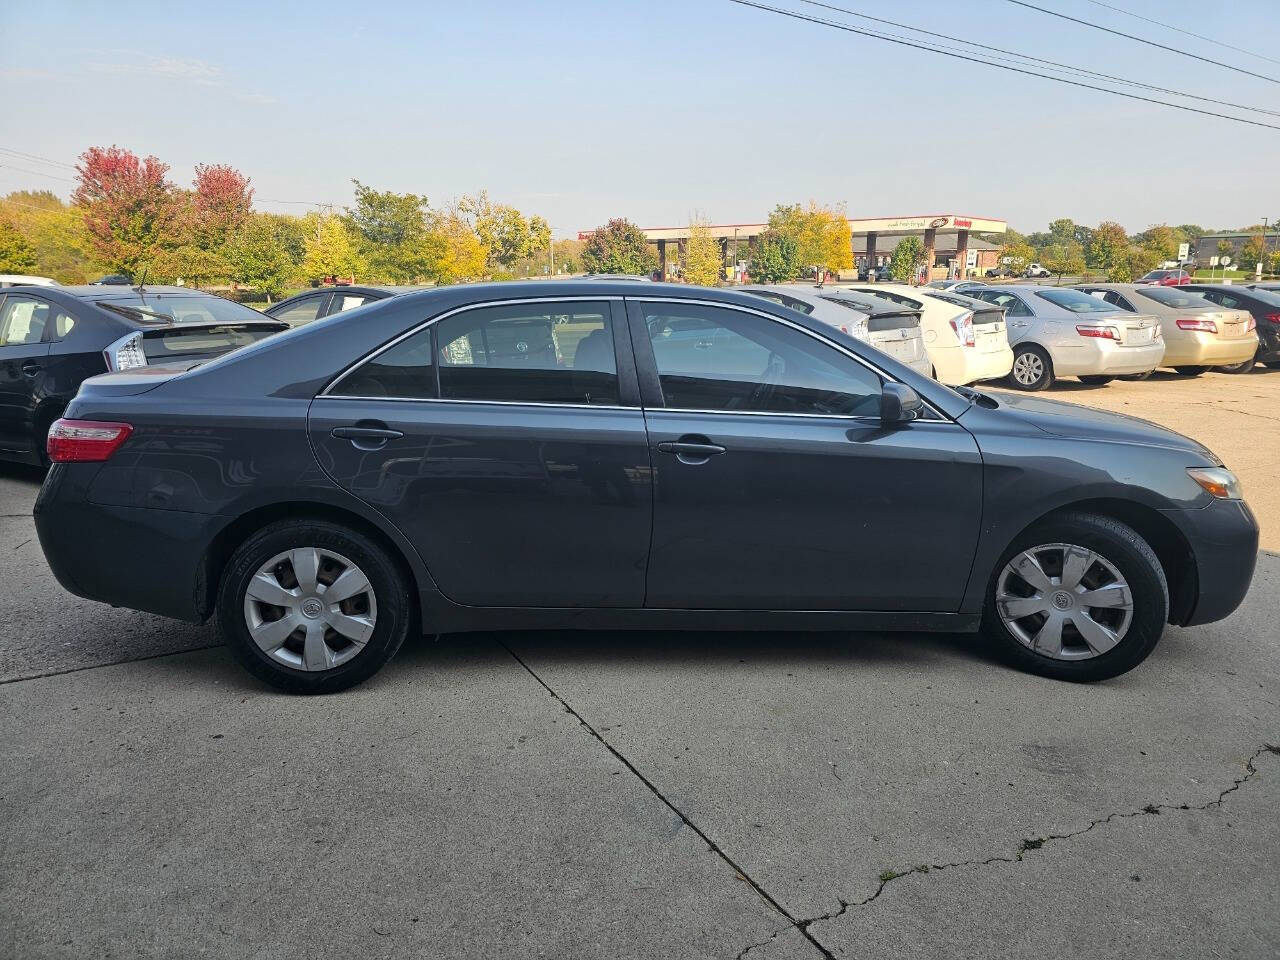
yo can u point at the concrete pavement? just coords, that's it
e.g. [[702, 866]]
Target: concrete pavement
[[619, 795]]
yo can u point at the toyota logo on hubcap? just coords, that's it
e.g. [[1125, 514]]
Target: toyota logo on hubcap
[[311, 607], [1062, 600]]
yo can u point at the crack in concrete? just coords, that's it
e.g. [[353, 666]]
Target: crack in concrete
[[714, 847], [1035, 843]]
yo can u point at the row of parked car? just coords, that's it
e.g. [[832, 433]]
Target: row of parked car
[[53, 337]]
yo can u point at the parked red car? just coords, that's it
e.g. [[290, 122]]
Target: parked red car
[[1166, 278]]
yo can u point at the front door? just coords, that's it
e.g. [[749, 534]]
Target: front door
[[775, 484], [24, 356], [506, 441]]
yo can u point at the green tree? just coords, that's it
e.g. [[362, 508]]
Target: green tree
[[1131, 264], [1108, 243], [1063, 258], [331, 249], [393, 230], [820, 234], [256, 258], [193, 265], [1253, 252], [16, 253], [290, 233], [1192, 231], [618, 247], [774, 259], [702, 262], [1016, 252], [1162, 241], [907, 259], [503, 230], [55, 231], [1062, 230]]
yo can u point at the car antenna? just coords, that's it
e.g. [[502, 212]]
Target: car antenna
[[141, 281]]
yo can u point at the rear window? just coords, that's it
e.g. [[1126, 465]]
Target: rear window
[[782, 300], [1173, 297], [1269, 297], [1076, 302], [168, 346], [181, 308]]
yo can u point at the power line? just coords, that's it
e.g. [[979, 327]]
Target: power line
[[1039, 60], [795, 15], [1177, 29], [1150, 43], [37, 158], [36, 173]]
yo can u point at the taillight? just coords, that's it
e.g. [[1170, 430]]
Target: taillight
[[85, 441], [1273, 319], [963, 326], [1101, 333], [1204, 326], [126, 353], [1251, 325]]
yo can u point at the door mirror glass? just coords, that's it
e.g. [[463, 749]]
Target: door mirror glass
[[900, 404]]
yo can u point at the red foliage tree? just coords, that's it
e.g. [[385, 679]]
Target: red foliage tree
[[222, 202], [129, 206]]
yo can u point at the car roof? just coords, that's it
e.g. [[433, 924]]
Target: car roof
[[113, 291]]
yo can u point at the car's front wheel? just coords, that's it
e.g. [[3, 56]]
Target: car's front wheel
[[312, 606], [1080, 597], [1032, 368], [1190, 371], [1244, 367]]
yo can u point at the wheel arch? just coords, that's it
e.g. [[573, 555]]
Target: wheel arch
[[230, 537], [1161, 534]]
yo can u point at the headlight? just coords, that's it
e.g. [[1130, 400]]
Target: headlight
[[1217, 481]]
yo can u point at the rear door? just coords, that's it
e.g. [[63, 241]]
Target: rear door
[[507, 442], [24, 356], [777, 488]]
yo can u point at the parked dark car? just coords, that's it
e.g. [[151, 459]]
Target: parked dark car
[[326, 301], [554, 455], [882, 272], [52, 338], [1262, 303]]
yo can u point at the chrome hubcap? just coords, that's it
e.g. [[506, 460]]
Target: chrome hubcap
[[1064, 601], [1028, 368], [310, 609]]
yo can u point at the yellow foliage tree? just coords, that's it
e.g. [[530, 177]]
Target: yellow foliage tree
[[702, 262], [331, 249], [821, 234], [459, 253]]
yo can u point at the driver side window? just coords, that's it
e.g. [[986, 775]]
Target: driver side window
[[714, 358]]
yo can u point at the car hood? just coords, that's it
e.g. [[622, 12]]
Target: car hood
[[1075, 422]]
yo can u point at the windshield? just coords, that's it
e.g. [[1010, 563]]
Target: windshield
[[1173, 297], [182, 308], [1076, 302]]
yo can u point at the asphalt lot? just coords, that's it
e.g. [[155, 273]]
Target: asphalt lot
[[646, 795]]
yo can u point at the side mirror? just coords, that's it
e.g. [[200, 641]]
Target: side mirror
[[899, 404]]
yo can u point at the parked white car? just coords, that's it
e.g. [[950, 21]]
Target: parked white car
[[965, 339], [955, 286], [22, 280], [1035, 270], [888, 327]]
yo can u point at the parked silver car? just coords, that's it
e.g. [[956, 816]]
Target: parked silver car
[[1061, 332], [1197, 334], [890, 328]]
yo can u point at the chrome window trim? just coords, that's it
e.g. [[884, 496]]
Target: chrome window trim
[[613, 298]]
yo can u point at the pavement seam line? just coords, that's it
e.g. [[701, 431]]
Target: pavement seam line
[[1027, 845], [113, 663], [711, 844]]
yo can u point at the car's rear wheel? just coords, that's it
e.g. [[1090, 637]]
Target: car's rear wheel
[[1244, 367], [1081, 598], [1032, 368], [1096, 381], [1137, 376], [312, 606], [1190, 371]]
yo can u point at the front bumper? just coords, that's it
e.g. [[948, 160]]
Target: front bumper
[[1224, 544]]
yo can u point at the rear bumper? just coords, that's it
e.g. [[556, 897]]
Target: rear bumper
[[144, 559], [1205, 349], [1224, 542], [1094, 357]]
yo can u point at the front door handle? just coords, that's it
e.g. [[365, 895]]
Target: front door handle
[[31, 369], [365, 438], [691, 449]]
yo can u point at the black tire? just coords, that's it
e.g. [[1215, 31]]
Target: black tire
[[1096, 381], [1032, 354], [1272, 364], [1121, 546], [1137, 376], [1245, 367], [395, 610], [1191, 371]]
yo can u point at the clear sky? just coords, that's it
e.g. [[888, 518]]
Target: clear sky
[[655, 110]]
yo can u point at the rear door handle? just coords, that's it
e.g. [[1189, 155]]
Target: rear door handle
[[691, 449]]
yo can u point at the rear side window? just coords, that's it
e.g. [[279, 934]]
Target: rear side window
[[347, 301], [529, 353], [712, 358], [403, 371], [304, 311], [22, 320], [1012, 305]]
